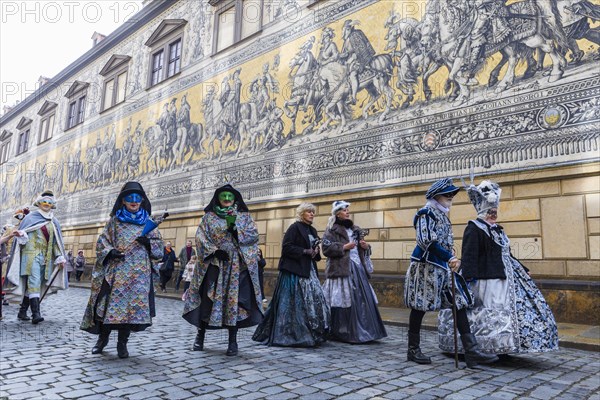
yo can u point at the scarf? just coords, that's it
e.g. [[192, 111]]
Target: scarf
[[46, 215], [433, 203], [138, 218], [223, 212], [346, 223]]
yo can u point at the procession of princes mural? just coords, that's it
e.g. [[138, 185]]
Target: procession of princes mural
[[338, 81]]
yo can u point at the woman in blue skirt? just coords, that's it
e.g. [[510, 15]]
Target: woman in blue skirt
[[298, 314]]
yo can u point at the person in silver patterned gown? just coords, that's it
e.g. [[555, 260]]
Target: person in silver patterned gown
[[510, 314]]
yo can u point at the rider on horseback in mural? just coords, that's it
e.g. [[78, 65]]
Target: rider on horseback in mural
[[357, 52], [475, 33]]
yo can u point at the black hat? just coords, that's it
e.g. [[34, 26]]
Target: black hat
[[130, 188], [241, 206]]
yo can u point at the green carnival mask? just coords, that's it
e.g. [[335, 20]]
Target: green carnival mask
[[226, 196]]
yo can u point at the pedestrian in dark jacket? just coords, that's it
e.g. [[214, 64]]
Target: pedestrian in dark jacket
[[298, 314], [184, 257], [79, 265], [167, 267]]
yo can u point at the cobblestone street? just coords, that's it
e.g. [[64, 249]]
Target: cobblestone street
[[52, 360]]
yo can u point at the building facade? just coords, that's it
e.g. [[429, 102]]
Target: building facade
[[362, 100]]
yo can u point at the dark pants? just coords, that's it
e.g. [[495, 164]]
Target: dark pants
[[179, 278], [416, 318], [78, 275], [186, 286], [165, 277]]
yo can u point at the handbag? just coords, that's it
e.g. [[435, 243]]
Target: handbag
[[162, 266]]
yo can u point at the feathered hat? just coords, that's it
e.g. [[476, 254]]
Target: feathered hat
[[484, 196]]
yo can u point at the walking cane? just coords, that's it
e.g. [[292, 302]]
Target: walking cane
[[454, 319], [54, 275]]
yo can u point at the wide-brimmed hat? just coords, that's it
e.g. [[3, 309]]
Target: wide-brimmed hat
[[443, 186]]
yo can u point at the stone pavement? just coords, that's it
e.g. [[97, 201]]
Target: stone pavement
[[574, 336], [52, 360]]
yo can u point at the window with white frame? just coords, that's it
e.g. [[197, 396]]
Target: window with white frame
[[115, 83], [24, 128], [236, 20], [23, 142], [4, 146], [48, 115], [76, 94], [166, 45]]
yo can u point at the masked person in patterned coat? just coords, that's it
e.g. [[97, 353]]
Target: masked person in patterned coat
[[122, 294], [433, 263], [37, 257], [225, 289]]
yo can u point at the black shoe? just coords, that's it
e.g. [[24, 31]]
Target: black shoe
[[414, 351], [472, 354], [122, 343], [36, 315], [22, 315], [122, 350], [102, 341], [199, 341], [232, 348]]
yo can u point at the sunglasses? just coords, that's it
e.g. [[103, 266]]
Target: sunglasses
[[448, 195]]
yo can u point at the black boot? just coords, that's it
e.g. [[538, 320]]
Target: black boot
[[232, 348], [102, 340], [122, 343], [472, 354], [22, 315], [414, 350], [199, 341], [36, 315]]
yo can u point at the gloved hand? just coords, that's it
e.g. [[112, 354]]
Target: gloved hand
[[221, 255], [230, 220], [114, 253], [143, 240], [311, 252]]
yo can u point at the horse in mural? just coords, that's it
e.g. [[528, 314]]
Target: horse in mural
[[215, 128], [303, 67], [406, 33], [74, 167], [376, 81], [195, 139], [445, 34], [155, 148]]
